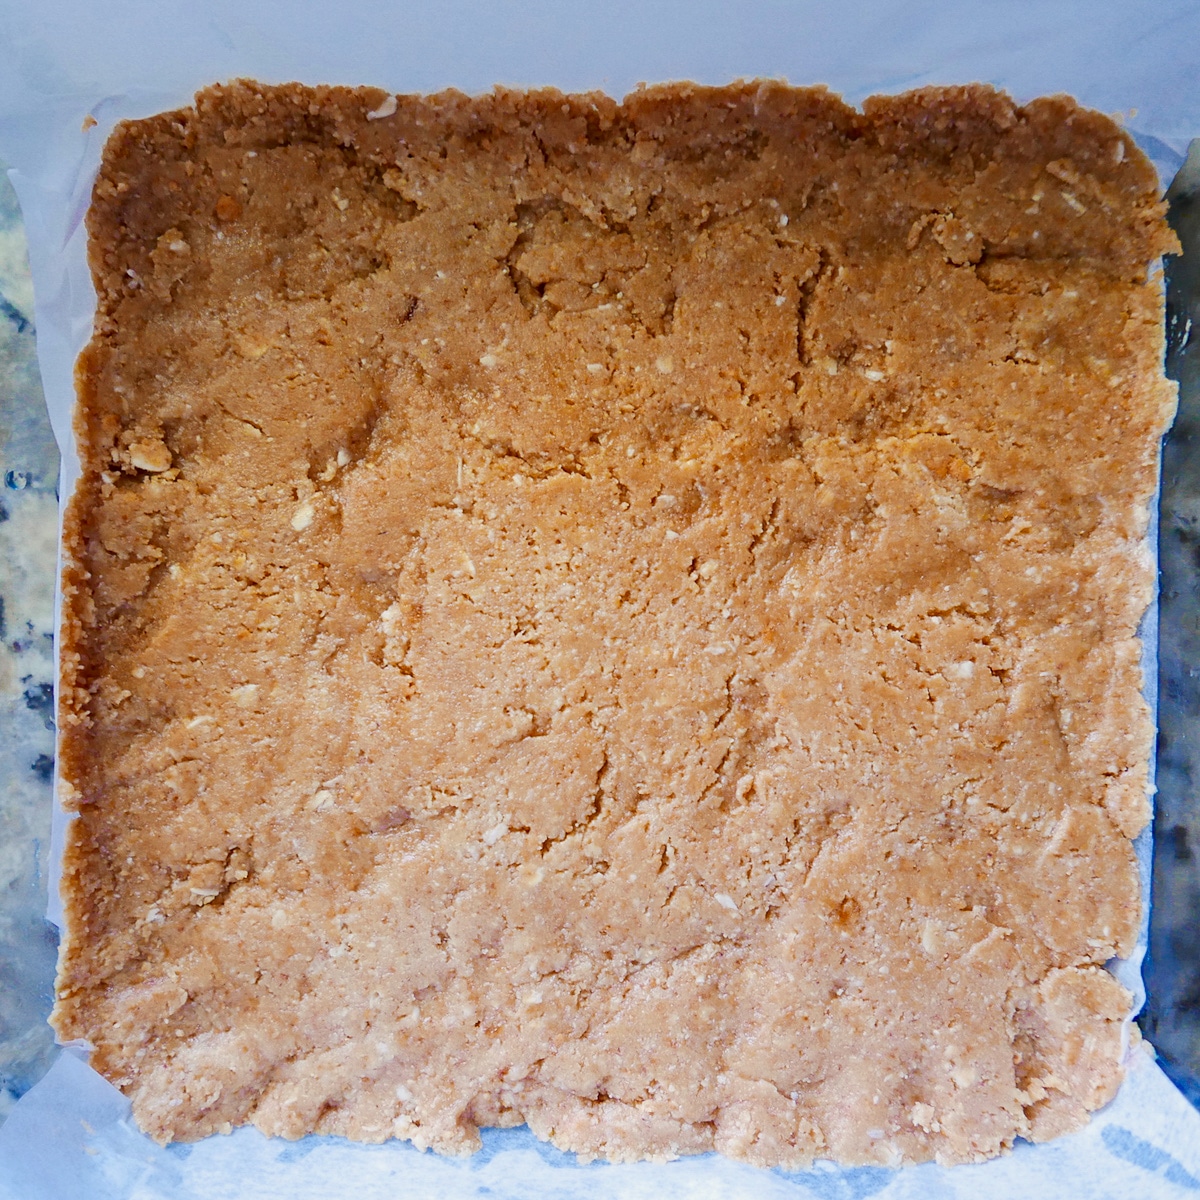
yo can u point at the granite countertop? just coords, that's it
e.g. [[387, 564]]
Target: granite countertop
[[1171, 1019], [28, 547], [28, 532]]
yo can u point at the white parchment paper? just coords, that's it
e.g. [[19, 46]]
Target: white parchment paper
[[64, 60]]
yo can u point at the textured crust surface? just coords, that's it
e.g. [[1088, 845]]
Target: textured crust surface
[[620, 617]]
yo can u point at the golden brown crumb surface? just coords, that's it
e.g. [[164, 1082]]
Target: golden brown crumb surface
[[620, 617]]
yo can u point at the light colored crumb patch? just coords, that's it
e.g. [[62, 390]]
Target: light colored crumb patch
[[151, 456], [386, 108]]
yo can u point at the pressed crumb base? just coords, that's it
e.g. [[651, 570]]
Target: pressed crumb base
[[619, 617]]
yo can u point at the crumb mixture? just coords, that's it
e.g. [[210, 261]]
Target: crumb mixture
[[613, 616]]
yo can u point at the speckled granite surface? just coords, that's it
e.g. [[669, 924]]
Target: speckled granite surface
[[1171, 1019], [28, 529], [28, 525]]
